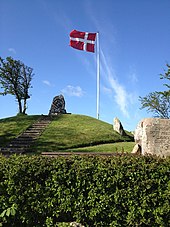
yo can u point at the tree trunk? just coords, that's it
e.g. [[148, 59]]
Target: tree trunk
[[19, 105], [25, 106]]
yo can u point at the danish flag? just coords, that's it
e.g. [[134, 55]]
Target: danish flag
[[82, 40]]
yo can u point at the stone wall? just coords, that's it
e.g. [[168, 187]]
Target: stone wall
[[153, 136]]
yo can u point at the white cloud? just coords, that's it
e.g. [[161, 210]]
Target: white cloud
[[12, 50], [46, 82], [132, 75], [133, 78], [73, 91], [106, 90], [122, 97]]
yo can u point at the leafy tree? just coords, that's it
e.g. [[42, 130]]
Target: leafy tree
[[15, 79], [158, 102]]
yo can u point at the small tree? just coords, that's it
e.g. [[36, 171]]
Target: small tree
[[15, 79], [158, 102]]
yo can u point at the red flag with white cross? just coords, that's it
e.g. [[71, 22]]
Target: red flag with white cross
[[83, 40]]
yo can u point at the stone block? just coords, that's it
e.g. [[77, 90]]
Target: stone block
[[117, 126], [153, 135]]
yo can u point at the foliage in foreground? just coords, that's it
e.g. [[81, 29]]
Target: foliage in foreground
[[95, 191]]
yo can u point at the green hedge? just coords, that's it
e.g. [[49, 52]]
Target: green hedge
[[95, 191]]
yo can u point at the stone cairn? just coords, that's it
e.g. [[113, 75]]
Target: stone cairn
[[58, 105]]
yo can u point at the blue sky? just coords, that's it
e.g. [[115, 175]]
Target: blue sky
[[134, 49]]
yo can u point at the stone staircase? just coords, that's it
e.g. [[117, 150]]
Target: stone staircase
[[21, 144]]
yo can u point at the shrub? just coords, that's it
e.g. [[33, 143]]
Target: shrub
[[123, 190]]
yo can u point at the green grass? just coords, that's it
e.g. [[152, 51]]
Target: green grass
[[112, 147], [70, 132], [13, 126], [79, 132]]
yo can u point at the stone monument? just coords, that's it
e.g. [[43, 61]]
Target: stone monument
[[58, 105], [117, 126], [153, 136], [136, 149]]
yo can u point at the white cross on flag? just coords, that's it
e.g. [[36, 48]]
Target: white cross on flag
[[82, 40]]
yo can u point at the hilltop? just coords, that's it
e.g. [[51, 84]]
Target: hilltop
[[68, 132]]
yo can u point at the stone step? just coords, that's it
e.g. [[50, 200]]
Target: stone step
[[40, 125], [36, 128], [42, 122], [32, 131], [21, 140], [20, 144], [24, 139], [12, 150]]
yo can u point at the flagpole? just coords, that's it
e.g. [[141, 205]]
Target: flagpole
[[98, 76]]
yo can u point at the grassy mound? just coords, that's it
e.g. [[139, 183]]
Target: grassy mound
[[70, 132], [73, 132]]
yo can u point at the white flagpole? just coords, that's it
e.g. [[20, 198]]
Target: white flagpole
[[98, 75]]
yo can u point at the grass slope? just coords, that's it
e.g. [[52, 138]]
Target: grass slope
[[70, 132], [13, 126], [110, 147], [80, 133]]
